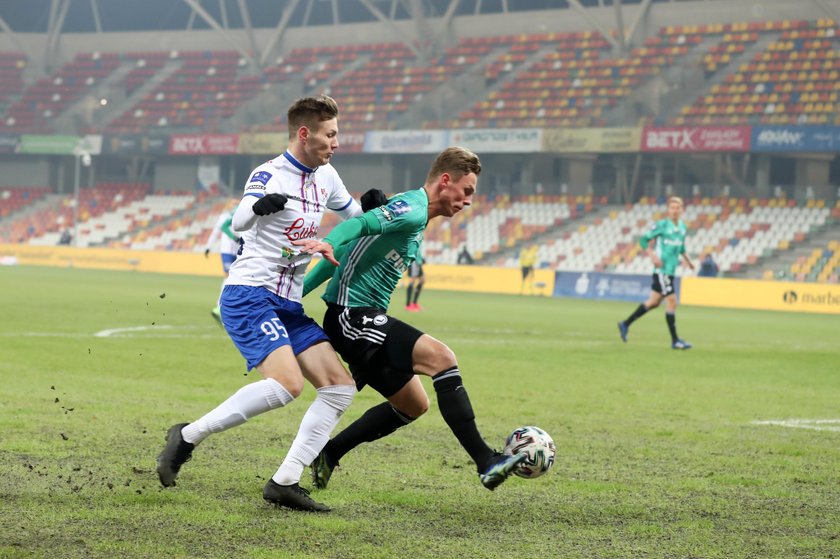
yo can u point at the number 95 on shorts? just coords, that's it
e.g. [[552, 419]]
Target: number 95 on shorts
[[259, 321]]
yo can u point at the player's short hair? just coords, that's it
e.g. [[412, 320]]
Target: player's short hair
[[456, 161], [310, 112], [676, 199]]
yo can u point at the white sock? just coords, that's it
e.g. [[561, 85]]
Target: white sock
[[314, 432], [249, 401]]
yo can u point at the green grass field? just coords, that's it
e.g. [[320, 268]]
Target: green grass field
[[658, 452]]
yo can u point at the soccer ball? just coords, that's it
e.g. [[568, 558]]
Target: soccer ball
[[537, 445]]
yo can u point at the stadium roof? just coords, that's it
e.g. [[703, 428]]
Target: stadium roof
[[91, 16]]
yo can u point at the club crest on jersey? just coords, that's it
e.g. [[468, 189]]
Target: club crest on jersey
[[261, 177], [398, 207]]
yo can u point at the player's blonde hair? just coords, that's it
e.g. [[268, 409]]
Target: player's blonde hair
[[456, 161], [676, 199]]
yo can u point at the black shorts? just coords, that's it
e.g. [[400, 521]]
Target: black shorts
[[415, 270], [377, 347], [663, 284], [527, 271]]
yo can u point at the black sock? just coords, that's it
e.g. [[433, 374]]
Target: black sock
[[375, 423], [640, 310], [455, 407], [671, 319], [410, 290], [417, 292]]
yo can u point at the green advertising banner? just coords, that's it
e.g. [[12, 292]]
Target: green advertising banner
[[56, 145]]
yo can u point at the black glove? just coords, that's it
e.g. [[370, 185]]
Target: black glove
[[373, 198], [269, 204], [206, 252]]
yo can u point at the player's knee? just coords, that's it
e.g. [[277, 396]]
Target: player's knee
[[293, 387], [430, 356], [292, 383], [444, 358], [421, 406], [416, 407]]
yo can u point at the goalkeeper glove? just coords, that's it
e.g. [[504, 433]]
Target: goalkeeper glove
[[269, 204], [373, 198]]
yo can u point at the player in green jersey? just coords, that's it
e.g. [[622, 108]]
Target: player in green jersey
[[669, 236], [371, 253], [416, 279]]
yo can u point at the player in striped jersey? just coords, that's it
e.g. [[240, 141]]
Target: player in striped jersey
[[372, 252], [284, 201]]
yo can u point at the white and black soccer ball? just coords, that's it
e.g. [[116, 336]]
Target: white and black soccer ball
[[537, 445]]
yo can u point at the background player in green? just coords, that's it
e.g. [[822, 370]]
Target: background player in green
[[415, 281], [669, 235], [372, 251]]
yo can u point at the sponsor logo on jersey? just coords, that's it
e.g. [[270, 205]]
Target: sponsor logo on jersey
[[260, 177], [255, 186], [396, 260], [398, 207], [299, 230]]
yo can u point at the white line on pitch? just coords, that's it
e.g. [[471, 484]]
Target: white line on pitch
[[814, 424]]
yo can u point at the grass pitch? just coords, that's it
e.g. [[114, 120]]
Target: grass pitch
[[659, 452]]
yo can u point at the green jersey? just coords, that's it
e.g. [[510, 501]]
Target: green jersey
[[373, 251], [670, 244]]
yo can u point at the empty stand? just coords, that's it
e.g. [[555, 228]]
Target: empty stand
[[793, 81], [198, 97], [14, 198], [736, 232], [50, 96]]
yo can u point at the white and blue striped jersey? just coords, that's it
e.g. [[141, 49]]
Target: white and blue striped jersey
[[267, 257]]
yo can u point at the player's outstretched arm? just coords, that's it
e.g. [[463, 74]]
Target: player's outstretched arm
[[321, 272], [314, 246], [343, 233]]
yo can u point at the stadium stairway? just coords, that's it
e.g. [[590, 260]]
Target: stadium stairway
[[689, 96], [509, 256], [115, 110], [455, 95], [80, 114], [251, 115], [184, 229], [778, 264], [13, 228], [678, 73], [468, 100]]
